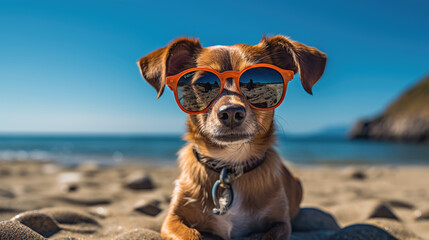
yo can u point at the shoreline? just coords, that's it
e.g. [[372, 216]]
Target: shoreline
[[350, 193]]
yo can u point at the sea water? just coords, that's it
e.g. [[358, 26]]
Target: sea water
[[162, 149]]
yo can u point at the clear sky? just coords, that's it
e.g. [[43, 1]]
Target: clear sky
[[70, 66]]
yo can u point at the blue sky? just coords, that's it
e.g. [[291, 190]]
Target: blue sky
[[70, 66]]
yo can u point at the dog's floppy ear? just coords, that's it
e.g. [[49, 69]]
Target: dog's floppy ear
[[168, 61], [296, 56]]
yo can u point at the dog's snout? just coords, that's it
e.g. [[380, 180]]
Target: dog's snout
[[231, 115]]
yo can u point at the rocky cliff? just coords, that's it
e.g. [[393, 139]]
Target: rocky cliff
[[407, 119]]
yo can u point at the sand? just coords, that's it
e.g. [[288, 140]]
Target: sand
[[94, 202]]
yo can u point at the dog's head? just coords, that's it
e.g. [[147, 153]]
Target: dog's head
[[230, 119]]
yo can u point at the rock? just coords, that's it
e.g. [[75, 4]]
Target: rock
[[5, 172], [407, 119], [362, 232], [140, 233], [69, 181], [313, 235], [150, 208], [313, 219], [66, 188], [399, 204], [41, 223], [49, 221], [6, 193], [422, 215], [358, 175], [100, 212], [15, 230], [139, 180], [394, 228], [383, 211]]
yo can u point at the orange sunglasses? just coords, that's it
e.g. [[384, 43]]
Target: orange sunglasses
[[263, 85]]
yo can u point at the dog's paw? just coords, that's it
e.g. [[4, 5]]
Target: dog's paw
[[193, 234]]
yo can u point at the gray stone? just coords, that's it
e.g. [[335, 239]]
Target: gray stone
[[313, 235], [140, 233], [358, 175], [394, 228], [313, 219], [150, 208], [383, 211], [5, 172], [15, 230], [139, 180], [362, 232], [41, 223], [67, 188], [6, 193], [423, 215]]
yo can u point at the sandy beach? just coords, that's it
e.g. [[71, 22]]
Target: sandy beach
[[47, 200]]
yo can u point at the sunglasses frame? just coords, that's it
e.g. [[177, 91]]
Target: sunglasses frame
[[172, 82]]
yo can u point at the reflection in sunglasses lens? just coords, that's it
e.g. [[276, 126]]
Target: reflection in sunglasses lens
[[262, 86], [197, 90]]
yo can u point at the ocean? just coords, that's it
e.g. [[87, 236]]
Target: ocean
[[308, 150]]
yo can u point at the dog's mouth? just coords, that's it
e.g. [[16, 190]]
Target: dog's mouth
[[232, 137]]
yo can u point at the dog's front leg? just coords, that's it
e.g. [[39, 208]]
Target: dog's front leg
[[173, 228], [278, 231]]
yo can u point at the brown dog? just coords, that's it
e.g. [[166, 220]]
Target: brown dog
[[266, 194]]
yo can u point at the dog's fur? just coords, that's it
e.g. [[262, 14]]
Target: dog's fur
[[267, 197]]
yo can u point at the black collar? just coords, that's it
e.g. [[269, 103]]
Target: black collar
[[211, 163]]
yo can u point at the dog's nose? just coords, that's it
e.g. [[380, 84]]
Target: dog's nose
[[231, 115]]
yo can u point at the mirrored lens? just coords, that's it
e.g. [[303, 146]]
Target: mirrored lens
[[197, 90], [263, 87]]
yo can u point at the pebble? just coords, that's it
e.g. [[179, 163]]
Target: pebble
[[422, 215], [362, 232], [383, 211], [6, 193], [150, 208], [5, 172], [393, 227], [358, 175], [41, 223], [66, 188], [100, 212], [313, 235], [139, 180], [16, 230], [313, 219]]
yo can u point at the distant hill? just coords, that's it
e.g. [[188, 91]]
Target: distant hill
[[406, 119]]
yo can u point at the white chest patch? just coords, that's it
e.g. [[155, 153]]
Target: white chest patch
[[238, 222]]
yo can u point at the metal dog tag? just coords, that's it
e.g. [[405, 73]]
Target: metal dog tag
[[223, 203]]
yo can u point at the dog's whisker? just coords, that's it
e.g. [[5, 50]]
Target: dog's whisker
[[279, 117]]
